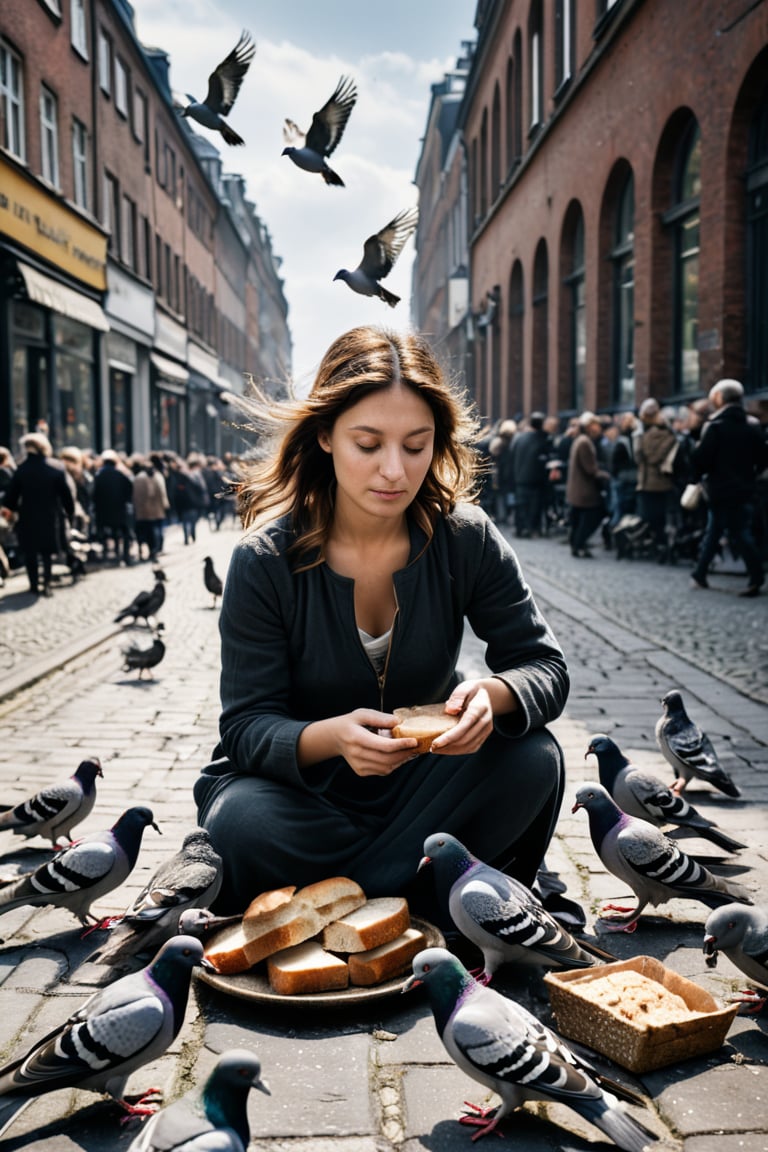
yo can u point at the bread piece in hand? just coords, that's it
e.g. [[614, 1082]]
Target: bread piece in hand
[[305, 969], [387, 961], [425, 722], [377, 922], [333, 898]]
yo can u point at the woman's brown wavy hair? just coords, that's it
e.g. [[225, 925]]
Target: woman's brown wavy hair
[[296, 477]]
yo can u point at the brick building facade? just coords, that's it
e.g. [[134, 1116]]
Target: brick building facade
[[616, 159], [125, 276]]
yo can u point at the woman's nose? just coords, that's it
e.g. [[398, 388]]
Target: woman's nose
[[391, 463]]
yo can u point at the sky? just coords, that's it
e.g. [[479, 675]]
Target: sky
[[394, 51]]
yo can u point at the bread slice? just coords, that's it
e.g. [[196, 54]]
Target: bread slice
[[274, 920], [333, 898], [377, 922], [387, 961], [305, 969], [425, 722]]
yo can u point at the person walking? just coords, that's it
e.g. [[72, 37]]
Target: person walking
[[654, 445], [191, 497], [730, 455], [530, 452], [584, 487], [112, 503], [41, 496], [150, 505]]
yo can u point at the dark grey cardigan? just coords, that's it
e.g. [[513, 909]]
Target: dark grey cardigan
[[291, 652]]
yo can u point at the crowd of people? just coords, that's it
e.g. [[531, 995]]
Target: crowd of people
[[79, 506], [625, 475]]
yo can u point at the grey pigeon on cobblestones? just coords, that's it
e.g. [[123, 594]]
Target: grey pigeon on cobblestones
[[223, 86], [641, 794], [145, 604], [191, 878], [141, 660], [504, 1047], [211, 1119], [499, 914], [54, 811], [648, 861], [117, 1030], [688, 749], [79, 875], [742, 934], [380, 252], [310, 151]]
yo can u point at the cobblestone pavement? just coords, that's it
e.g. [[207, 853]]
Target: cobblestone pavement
[[373, 1078]]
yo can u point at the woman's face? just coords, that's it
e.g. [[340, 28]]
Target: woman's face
[[382, 450]]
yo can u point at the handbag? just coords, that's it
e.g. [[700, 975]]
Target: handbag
[[692, 496]]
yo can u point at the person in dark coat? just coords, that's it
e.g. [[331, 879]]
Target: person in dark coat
[[112, 506], [347, 597], [584, 487], [530, 452], [730, 455], [41, 496]]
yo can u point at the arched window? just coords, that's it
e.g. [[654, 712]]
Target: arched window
[[574, 282], [536, 64], [540, 359], [623, 260], [515, 358], [495, 145], [683, 218], [757, 250]]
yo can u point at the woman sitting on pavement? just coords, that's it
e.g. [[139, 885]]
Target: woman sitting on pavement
[[347, 598]]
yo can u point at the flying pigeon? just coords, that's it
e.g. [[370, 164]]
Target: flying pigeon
[[641, 794], [212, 582], [742, 934], [223, 87], [191, 878], [146, 604], [648, 861], [83, 873], [53, 812], [144, 659], [310, 151], [498, 914], [117, 1030], [688, 749], [504, 1047], [379, 254], [211, 1119]]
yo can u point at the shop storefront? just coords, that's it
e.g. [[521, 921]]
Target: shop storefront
[[53, 266], [205, 411], [130, 308]]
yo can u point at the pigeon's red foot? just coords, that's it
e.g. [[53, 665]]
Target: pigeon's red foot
[[618, 923], [481, 976], [101, 925], [678, 787], [485, 1119], [751, 1001], [144, 1105]]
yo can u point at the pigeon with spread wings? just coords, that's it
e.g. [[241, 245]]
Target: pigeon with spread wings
[[223, 86], [310, 150], [379, 255]]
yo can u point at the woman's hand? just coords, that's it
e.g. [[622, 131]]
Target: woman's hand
[[473, 700], [356, 737]]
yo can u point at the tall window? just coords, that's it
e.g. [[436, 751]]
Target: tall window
[[80, 163], [140, 123], [12, 93], [516, 315], [78, 34], [536, 59], [577, 314], [484, 164], [623, 259], [757, 249], [564, 42], [496, 144], [105, 62], [684, 220], [121, 87], [111, 213], [128, 223], [540, 359], [49, 136]]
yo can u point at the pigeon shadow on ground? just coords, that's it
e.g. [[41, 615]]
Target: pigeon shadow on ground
[[520, 1128], [17, 601], [135, 682], [27, 858], [85, 1129], [69, 943]]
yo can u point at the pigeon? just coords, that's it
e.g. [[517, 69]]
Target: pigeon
[[504, 1047], [309, 151], [648, 861], [688, 749], [214, 1119], [53, 812], [641, 794], [144, 659], [223, 87], [191, 878], [146, 604], [379, 254], [81, 874], [499, 914], [212, 582], [117, 1030], [742, 934], [200, 922]]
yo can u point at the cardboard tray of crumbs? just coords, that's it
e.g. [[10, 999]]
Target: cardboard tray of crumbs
[[638, 1046]]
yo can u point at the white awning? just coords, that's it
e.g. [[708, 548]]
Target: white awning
[[43, 290], [169, 368]]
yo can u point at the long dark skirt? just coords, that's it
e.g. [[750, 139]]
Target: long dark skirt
[[502, 802]]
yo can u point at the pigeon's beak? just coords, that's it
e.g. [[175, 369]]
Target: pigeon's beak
[[156, 828], [221, 921], [337, 276], [710, 950], [423, 862], [589, 751], [207, 965], [261, 1085], [412, 982], [576, 807]]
